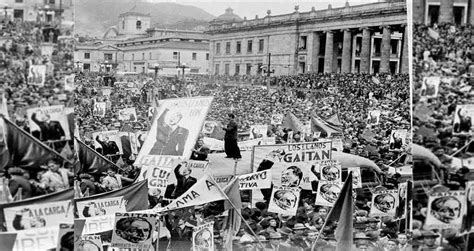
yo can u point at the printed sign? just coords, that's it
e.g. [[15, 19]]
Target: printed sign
[[37, 75], [65, 237], [257, 180], [99, 207], [127, 114], [356, 177], [463, 119], [49, 122], [277, 119], [99, 109], [327, 193], [108, 141], [284, 200], [446, 210], [331, 170], [398, 139], [89, 242], [133, 230], [384, 203], [374, 117], [258, 131], [203, 237], [430, 87]]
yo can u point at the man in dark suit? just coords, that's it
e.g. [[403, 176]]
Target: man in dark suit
[[108, 147], [184, 180], [50, 130], [231, 147], [170, 137]]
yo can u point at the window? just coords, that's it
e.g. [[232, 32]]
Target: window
[[87, 67], [226, 69], [237, 69], [259, 68], [175, 55], [149, 55], [227, 48], [87, 55], [249, 46], [133, 56], [217, 69], [303, 40], [134, 69], [261, 43], [249, 69], [394, 46], [52, 1], [218, 48], [108, 56], [194, 56], [139, 25], [143, 56], [238, 47], [123, 24], [18, 1], [207, 56]]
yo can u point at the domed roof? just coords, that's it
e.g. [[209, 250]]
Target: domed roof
[[228, 16]]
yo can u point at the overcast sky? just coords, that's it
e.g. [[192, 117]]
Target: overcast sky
[[250, 8]]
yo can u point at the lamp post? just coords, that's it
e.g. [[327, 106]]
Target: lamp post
[[182, 66], [157, 68]]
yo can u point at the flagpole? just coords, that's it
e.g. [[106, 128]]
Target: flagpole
[[237, 211]]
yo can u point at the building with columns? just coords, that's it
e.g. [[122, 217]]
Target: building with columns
[[442, 11], [364, 38]]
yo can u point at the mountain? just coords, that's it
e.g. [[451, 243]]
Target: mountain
[[93, 17]]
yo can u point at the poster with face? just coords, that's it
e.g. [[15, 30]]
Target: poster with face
[[356, 177], [49, 122], [89, 242], [384, 203], [284, 200], [446, 210], [65, 237], [258, 131], [463, 122], [398, 139], [69, 82], [127, 114], [291, 164], [402, 198], [37, 75], [430, 87], [470, 190], [38, 215], [133, 230], [203, 237], [208, 127], [276, 119], [174, 132], [327, 193], [108, 141], [100, 207], [99, 109], [374, 117], [331, 171]]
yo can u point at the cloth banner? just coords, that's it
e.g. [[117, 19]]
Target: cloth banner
[[257, 180]]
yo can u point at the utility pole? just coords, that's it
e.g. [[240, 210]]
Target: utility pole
[[268, 71]]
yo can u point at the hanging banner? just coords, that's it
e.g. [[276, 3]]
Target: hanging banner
[[257, 180], [327, 193], [99, 207], [89, 242], [37, 75], [398, 139], [384, 203], [446, 210], [463, 122], [133, 230], [356, 177], [38, 215], [50, 122], [173, 134], [203, 237], [258, 131], [284, 200], [108, 141], [127, 114]]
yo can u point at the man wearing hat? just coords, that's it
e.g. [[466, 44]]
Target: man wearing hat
[[298, 238], [362, 242], [429, 241]]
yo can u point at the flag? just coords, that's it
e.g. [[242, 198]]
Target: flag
[[232, 191], [342, 213], [7, 240], [334, 119], [218, 132], [232, 221], [66, 152], [326, 127], [292, 122], [21, 149], [91, 161], [120, 163]]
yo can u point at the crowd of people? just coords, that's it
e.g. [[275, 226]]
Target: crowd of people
[[443, 52]]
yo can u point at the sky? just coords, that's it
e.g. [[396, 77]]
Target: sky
[[248, 8]]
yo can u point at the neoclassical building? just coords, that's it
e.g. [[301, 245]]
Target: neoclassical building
[[441, 11], [363, 38]]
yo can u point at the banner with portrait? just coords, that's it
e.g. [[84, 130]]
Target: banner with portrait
[[102, 206], [373, 117], [69, 82], [330, 170], [430, 86], [174, 132], [291, 165], [38, 215], [99, 109], [37, 75], [463, 122], [258, 131], [327, 193], [384, 203], [257, 180], [398, 139], [127, 114], [284, 200], [108, 141], [446, 210], [276, 119], [356, 177], [402, 199], [50, 122], [133, 230], [203, 237], [209, 127], [65, 237], [89, 242]]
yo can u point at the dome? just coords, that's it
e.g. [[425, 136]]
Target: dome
[[228, 16]]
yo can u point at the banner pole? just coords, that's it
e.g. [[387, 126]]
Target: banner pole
[[237, 211]]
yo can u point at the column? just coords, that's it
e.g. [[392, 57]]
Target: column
[[365, 51], [346, 52], [385, 57], [329, 52], [404, 60], [315, 51], [446, 11]]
